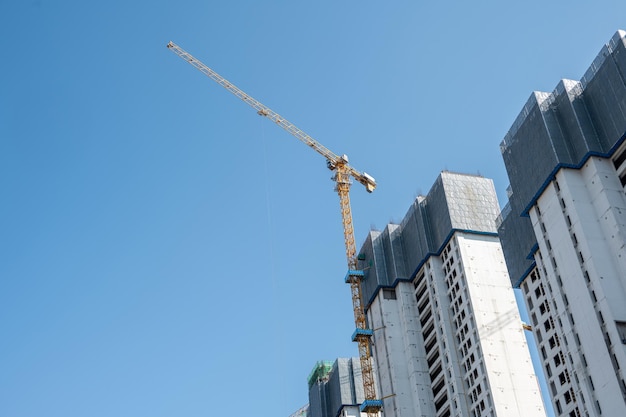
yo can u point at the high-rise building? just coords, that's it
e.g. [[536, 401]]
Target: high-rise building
[[564, 232], [448, 339], [336, 389]]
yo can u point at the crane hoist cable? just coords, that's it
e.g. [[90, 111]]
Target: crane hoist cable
[[342, 173]]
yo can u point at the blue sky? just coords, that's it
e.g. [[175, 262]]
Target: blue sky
[[167, 252]]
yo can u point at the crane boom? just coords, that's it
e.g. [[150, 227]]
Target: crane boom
[[263, 110], [343, 171]]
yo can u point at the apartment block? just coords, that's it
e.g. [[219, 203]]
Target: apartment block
[[563, 232]]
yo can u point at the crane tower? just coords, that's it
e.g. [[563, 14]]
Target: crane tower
[[342, 173]]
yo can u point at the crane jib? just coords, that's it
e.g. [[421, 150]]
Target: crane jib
[[366, 180]]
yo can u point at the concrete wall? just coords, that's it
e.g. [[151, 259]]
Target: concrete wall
[[580, 224]]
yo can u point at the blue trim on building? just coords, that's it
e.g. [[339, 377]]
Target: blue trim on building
[[531, 257], [421, 264], [444, 244], [552, 175], [533, 250], [338, 413], [524, 275]]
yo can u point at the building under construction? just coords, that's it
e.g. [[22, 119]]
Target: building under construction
[[432, 297], [564, 232], [336, 388], [448, 339]]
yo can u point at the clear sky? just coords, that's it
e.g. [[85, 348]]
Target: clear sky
[[166, 252]]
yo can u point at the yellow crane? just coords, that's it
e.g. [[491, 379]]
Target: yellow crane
[[342, 173]]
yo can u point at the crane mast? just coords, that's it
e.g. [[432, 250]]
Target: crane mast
[[342, 174]]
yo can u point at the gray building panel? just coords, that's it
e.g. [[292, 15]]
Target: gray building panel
[[575, 121], [373, 256], [472, 204], [342, 384], [605, 97], [518, 239], [618, 46], [318, 406], [529, 155], [387, 252], [560, 129], [438, 223], [392, 246], [568, 123], [414, 235], [359, 391], [336, 390], [455, 202]]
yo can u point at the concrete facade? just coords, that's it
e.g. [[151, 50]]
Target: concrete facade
[[448, 339], [564, 232]]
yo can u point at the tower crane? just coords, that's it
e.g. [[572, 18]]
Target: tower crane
[[342, 173]]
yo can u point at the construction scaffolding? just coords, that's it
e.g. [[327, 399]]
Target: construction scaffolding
[[320, 372]]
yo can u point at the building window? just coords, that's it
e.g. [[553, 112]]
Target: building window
[[389, 293], [557, 403], [537, 292], [552, 342], [547, 326], [619, 159], [621, 330]]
